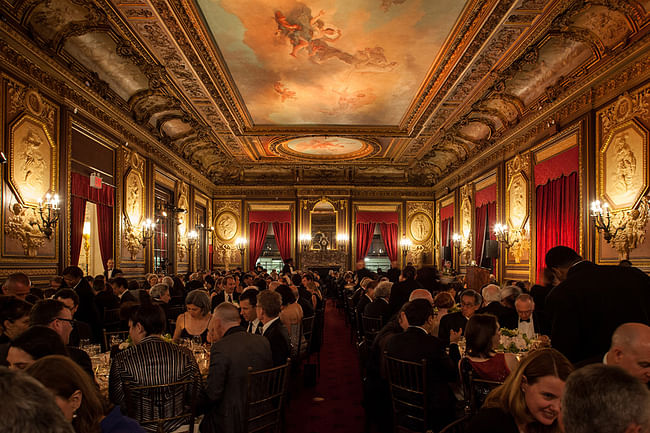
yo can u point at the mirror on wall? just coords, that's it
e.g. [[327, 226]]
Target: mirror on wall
[[322, 221]]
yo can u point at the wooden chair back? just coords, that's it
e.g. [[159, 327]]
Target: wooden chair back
[[112, 320], [371, 326], [307, 333], [458, 426], [265, 399], [407, 382], [475, 389], [108, 336], [163, 408]]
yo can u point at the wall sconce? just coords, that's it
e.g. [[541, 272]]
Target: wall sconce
[[342, 240], [456, 239], [503, 235], [192, 238], [86, 237], [405, 245], [603, 221], [305, 241], [148, 228], [49, 212], [240, 244]]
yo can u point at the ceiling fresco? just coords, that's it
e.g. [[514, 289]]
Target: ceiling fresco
[[341, 92], [329, 62]]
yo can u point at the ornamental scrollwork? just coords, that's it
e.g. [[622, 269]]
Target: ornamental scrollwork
[[132, 239], [23, 226], [633, 232]]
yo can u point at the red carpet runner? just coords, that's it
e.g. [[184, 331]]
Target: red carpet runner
[[339, 386]]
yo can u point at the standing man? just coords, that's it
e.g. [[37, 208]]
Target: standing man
[[400, 292], [110, 269], [268, 309], [591, 301], [87, 311], [233, 351], [287, 269]]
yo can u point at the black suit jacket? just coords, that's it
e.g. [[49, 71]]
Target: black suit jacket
[[451, 321], [87, 311], [278, 337], [221, 297], [225, 393], [378, 308], [591, 303], [127, 297], [109, 275], [287, 269], [415, 345], [507, 316], [400, 292], [82, 359]]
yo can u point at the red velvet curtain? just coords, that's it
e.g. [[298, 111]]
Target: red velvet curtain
[[557, 216], [105, 223], [76, 228], [389, 235], [364, 238], [256, 243], [479, 241], [282, 237], [445, 228]]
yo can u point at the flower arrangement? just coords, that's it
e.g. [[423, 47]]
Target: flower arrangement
[[514, 342]]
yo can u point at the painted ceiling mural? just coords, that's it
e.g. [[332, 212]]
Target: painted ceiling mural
[[329, 62], [366, 92]]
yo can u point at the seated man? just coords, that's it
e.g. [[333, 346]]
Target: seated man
[[379, 306], [150, 361], [268, 308], [416, 344], [248, 304], [81, 330], [470, 300], [603, 399], [492, 305], [17, 285], [86, 307], [233, 351], [527, 321], [55, 315], [630, 350]]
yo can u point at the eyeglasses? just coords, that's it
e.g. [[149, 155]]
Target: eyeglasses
[[70, 321]]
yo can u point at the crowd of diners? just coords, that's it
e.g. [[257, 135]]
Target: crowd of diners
[[590, 372]]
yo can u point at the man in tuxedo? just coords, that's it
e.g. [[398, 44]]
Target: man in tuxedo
[[591, 301], [470, 301], [248, 308], [399, 293], [87, 311], [492, 305], [527, 321], [379, 306], [55, 315], [630, 350], [268, 308], [121, 289], [366, 298], [232, 352], [416, 344], [110, 269], [229, 294]]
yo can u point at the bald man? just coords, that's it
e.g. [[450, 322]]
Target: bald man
[[421, 294], [233, 351], [630, 350]]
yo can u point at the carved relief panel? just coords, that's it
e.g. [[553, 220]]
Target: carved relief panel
[[227, 228], [419, 228], [182, 223], [624, 176], [466, 212], [517, 207], [31, 172], [134, 202]]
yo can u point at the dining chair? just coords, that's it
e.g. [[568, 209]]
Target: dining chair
[[407, 382], [266, 398]]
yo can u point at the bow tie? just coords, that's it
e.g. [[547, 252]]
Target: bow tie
[[524, 320]]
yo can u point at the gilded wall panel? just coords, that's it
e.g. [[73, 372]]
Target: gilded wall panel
[[517, 208], [419, 229], [623, 177], [134, 201], [182, 223], [227, 228], [466, 223]]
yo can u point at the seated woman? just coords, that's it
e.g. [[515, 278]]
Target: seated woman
[[442, 303], [79, 399], [291, 313], [194, 322], [34, 344], [529, 400], [316, 296], [481, 338]]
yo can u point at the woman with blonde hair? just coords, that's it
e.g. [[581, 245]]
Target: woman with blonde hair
[[529, 399], [78, 397]]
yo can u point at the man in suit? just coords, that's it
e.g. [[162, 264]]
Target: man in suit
[[232, 352], [379, 306], [365, 299], [55, 315], [416, 344], [81, 330], [17, 285], [492, 305], [304, 297], [527, 320], [248, 308], [400, 292], [630, 350], [110, 269], [591, 301], [470, 301], [362, 272], [229, 294], [87, 311], [268, 308], [394, 272], [121, 289], [287, 269], [151, 360]]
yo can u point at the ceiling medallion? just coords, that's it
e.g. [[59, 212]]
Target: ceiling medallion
[[324, 148]]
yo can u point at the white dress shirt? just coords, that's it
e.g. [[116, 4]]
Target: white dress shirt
[[527, 328], [266, 326]]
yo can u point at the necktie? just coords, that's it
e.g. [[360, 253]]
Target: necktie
[[524, 320], [229, 299], [258, 331], [250, 327]]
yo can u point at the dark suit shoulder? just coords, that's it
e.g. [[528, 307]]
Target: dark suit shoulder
[[492, 420]]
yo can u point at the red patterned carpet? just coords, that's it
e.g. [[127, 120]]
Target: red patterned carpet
[[339, 386]]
